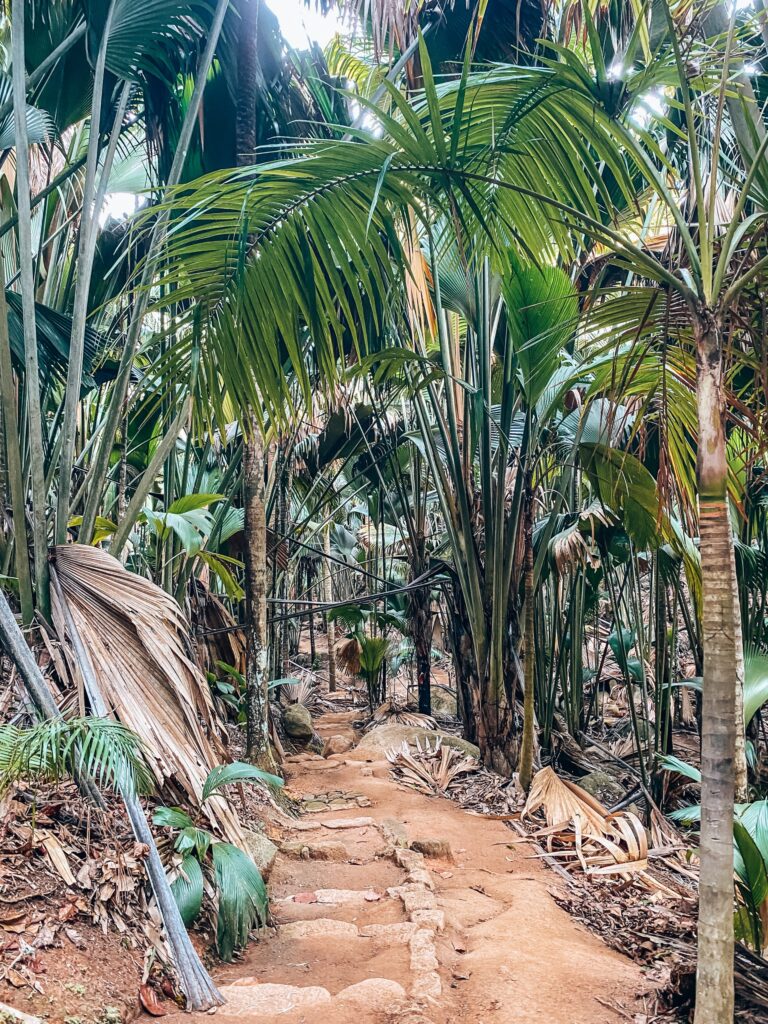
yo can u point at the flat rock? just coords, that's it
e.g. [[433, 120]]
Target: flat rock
[[249, 996], [408, 859], [432, 919], [384, 737], [316, 851], [394, 833], [347, 896], [427, 986], [337, 744], [374, 995], [397, 934], [423, 956], [414, 897], [420, 876], [348, 823], [319, 927]]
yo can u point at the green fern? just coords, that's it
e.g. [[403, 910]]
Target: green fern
[[98, 747]]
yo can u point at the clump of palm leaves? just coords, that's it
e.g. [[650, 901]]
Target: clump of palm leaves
[[203, 863], [299, 690], [582, 834], [98, 748], [396, 710], [431, 769]]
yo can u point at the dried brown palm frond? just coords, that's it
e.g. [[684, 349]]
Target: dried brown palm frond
[[395, 710], [582, 834], [135, 635], [348, 656], [430, 769]]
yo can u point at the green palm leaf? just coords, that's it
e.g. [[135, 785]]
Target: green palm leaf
[[242, 898]]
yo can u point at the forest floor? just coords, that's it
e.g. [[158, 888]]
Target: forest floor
[[368, 930]]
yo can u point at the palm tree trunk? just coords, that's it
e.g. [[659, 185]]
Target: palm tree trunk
[[32, 370], [256, 674], [8, 411], [525, 766], [256, 681], [330, 628], [420, 602], [721, 629]]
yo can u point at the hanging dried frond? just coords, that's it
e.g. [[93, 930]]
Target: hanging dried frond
[[135, 635], [348, 656], [430, 769], [394, 710]]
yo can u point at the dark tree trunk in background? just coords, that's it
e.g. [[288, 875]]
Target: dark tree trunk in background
[[420, 606]]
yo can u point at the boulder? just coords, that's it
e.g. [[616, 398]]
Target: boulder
[[381, 739], [298, 723], [262, 850], [603, 787], [337, 745]]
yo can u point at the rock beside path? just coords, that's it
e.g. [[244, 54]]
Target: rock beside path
[[298, 723], [384, 737]]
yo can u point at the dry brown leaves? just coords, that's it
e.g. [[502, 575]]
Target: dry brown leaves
[[396, 710], [135, 634], [581, 834], [431, 769], [65, 864]]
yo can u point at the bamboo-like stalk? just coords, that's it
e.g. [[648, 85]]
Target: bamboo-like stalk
[[32, 369], [93, 197], [13, 458], [136, 504], [120, 387]]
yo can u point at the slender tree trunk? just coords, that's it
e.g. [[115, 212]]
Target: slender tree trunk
[[8, 410], [254, 464], [525, 766], [420, 603], [256, 673], [32, 369], [721, 628], [330, 633], [100, 466]]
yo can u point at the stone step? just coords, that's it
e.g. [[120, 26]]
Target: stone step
[[250, 996]]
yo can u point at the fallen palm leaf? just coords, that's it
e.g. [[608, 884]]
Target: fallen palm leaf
[[430, 769], [135, 635], [394, 710], [581, 832]]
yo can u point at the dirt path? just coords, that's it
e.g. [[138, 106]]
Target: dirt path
[[380, 934]]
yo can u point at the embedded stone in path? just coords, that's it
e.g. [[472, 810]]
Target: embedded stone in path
[[433, 919], [373, 994], [319, 927], [408, 859], [248, 995], [394, 934], [316, 851], [433, 848], [337, 745], [347, 895], [394, 832]]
